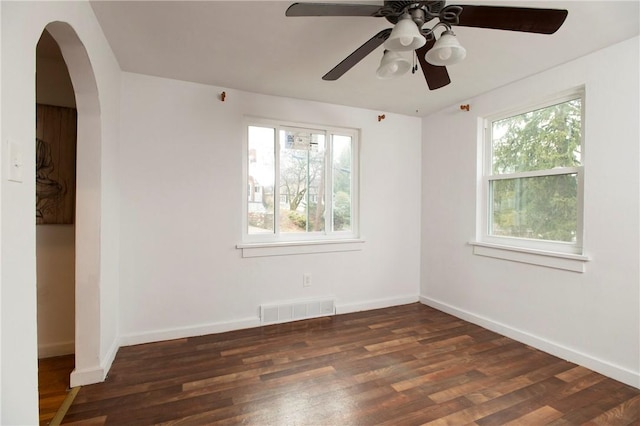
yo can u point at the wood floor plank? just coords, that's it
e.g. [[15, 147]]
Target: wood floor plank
[[95, 421], [479, 390], [53, 384], [497, 406], [540, 416], [418, 414], [403, 365], [626, 413]]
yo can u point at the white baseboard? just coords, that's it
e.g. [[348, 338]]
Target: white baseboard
[[624, 375], [221, 327], [56, 349], [191, 331], [347, 308], [98, 374], [109, 357], [87, 376]]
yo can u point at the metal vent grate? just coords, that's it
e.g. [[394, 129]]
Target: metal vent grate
[[293, 311]]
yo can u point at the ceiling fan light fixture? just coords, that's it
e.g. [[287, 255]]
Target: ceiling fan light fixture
[[405, 36], [446, 51], [392, 65]]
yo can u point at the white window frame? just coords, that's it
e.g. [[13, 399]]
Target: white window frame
[[277, 243], [555, 254]]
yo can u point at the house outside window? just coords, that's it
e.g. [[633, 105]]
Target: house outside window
[[532, 184], [301, 182]]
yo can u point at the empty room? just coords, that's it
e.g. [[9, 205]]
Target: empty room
[[320, 213]]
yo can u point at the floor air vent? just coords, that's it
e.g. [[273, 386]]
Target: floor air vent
[[272, 314]]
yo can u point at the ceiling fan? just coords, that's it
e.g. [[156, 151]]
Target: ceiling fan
[[409, 33]]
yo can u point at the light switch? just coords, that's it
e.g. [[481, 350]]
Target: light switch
[[16, 163]]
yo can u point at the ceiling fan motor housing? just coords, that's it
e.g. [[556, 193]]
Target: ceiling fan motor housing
[[424, 11]]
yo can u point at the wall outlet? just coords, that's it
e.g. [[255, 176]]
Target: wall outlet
[[306, 280]]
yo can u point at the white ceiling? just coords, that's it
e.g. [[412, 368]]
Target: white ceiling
[[252, 46]]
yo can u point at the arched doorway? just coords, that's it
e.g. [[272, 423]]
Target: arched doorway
[[55, 231], [87, 205]]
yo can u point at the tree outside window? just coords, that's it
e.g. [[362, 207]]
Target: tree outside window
[[309, 173], [535, 167]]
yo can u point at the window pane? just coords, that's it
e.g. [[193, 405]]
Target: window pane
[[538, 140], [261, 168], [341, 183], [302, 180], [543, 208]]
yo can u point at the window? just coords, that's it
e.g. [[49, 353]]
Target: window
[[300, 182], [532, 180]]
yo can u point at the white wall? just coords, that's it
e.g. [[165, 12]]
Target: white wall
[[55, 254], [591, 317], [182, 193], [22, 25]]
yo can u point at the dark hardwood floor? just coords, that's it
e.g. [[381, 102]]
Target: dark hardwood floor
[[53, 385], [398, 366]]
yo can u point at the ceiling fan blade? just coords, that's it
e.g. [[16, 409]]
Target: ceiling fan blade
[[530, 20], [332, 9], [358, 55], [436, 76]]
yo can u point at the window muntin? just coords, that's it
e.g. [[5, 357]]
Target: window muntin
[[300, 182], [533, 176]]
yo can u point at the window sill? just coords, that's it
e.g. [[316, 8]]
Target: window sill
[[299, 247], [564, 261]]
